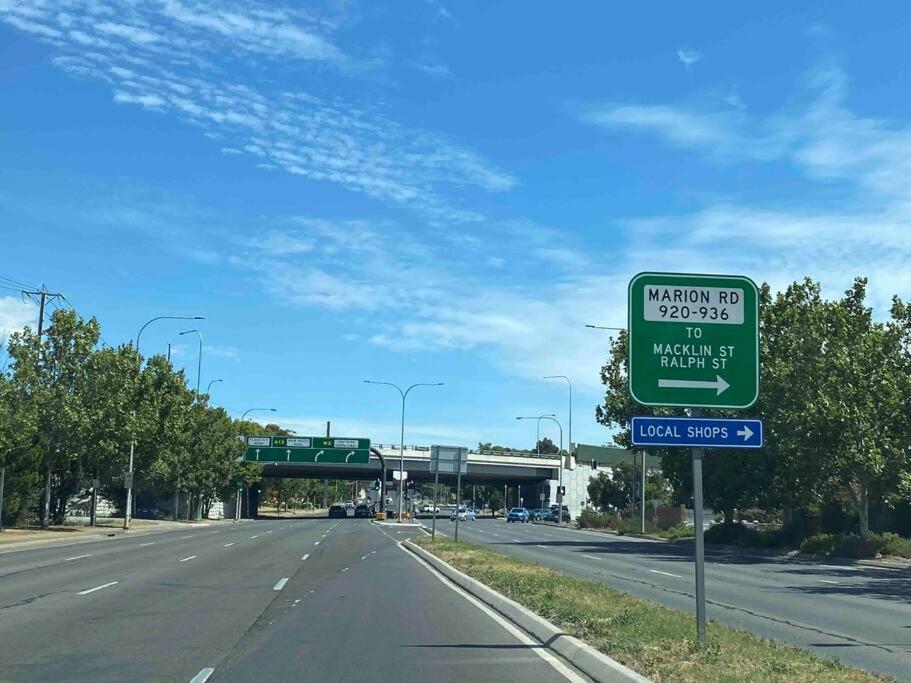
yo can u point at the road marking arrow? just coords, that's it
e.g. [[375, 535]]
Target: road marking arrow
[[746, 433], [316, 457], [348, 456], [718, 384]]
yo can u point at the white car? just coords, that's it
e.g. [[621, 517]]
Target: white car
[[429, 508], [464, 514]]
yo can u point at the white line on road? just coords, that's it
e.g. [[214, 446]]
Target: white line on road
[[365, 557], [141, 545], [516, 540], [190, 536], [655, 571], [191, 557], [826, 581], [98, 588], [78, 557], [344, 570], [317, 543], [268, 532], [306, 555], [203, 675], [840, 566], [228, 545], [591, 557], [281, 584], [537, 545]]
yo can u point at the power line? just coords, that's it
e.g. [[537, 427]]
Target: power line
[[16, 283]]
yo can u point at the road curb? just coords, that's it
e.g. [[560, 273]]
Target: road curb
[[584, 657]]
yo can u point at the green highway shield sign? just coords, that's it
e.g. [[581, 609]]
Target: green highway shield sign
[[307, 449], [693, 340]]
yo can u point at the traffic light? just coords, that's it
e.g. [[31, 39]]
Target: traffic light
[[411, 485], [594, 464], [561, 490], [376, 485]]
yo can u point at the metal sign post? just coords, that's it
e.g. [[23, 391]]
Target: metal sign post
[[436, 498], [458, 494], [694, 343], [451, 460]]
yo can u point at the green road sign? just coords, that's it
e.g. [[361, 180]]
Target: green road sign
[[693, 340], [302, 449]]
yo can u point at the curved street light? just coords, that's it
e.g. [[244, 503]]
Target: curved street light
[[402, 443], [559, 496], [209, 388], [129, 501], [198, 357]]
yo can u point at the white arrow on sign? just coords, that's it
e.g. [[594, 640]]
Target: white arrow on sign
[[348, 456], [718, 384], [746, 433], [288, 455], [257, 454], [316, 457]]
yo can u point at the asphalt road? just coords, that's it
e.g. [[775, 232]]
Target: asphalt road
[[858, 614], [278, 600]]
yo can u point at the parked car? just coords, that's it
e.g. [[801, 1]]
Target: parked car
[[539, 514], [362, 511], [430, 508], [349, 504], [464, 514], [517, 515], [337, 511], [554, 516]]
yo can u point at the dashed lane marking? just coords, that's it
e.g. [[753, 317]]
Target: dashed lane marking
[[98, 588]]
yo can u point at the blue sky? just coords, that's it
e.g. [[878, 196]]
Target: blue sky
[[437, 191]]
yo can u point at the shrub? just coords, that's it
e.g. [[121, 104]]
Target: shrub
[[678, 531], [893, 544], [729, 534], [819, 544], [857, 546], [591, 519], [634, 526]]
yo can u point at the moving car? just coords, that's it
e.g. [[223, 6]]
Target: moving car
[[464, 514], [430, 508], [517, 515], [362, 511], [337, 511]]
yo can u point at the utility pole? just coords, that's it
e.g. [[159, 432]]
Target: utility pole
[[42, 296]]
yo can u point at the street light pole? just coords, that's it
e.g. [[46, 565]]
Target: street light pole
[[602, 327], [559, 495], [209, 387], [198, 357], [129, 501], [570, 406], [404, 395], [244, 415]]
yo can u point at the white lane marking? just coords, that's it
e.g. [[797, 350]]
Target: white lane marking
[[365, 557], [306, 555], [281, 584], [190, 536], [268, 532], [78, 557], [344, 570], [840, 566], [295, 603], [141, 545], [257, 536], [655, 571], [591, 557], [317, 543], [825, 581], [228, 545], [98, 588], [540, 546], [493, 534], [373, 552], [203, 675], [516, 540], [518, 634], [191, 557]]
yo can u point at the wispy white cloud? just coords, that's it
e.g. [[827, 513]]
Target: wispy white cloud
[[688, 57], [221, 351], [15, 314], [172, 57], [432, 69]]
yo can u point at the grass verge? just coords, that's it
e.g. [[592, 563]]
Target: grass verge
[[656, 641]]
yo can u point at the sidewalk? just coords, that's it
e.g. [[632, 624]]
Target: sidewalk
[[17, 537]]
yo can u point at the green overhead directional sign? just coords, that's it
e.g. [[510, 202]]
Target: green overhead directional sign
[[307, 449], [693, 340]]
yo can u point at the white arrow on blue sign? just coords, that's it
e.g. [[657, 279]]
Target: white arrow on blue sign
[[696, 432]]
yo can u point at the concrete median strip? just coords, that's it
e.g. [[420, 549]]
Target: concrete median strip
[[587, 659]]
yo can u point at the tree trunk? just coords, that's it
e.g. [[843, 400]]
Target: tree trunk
[[94, 503], [189, 505], [860, 498], [46, 515], [176, 504], [728, 516]]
